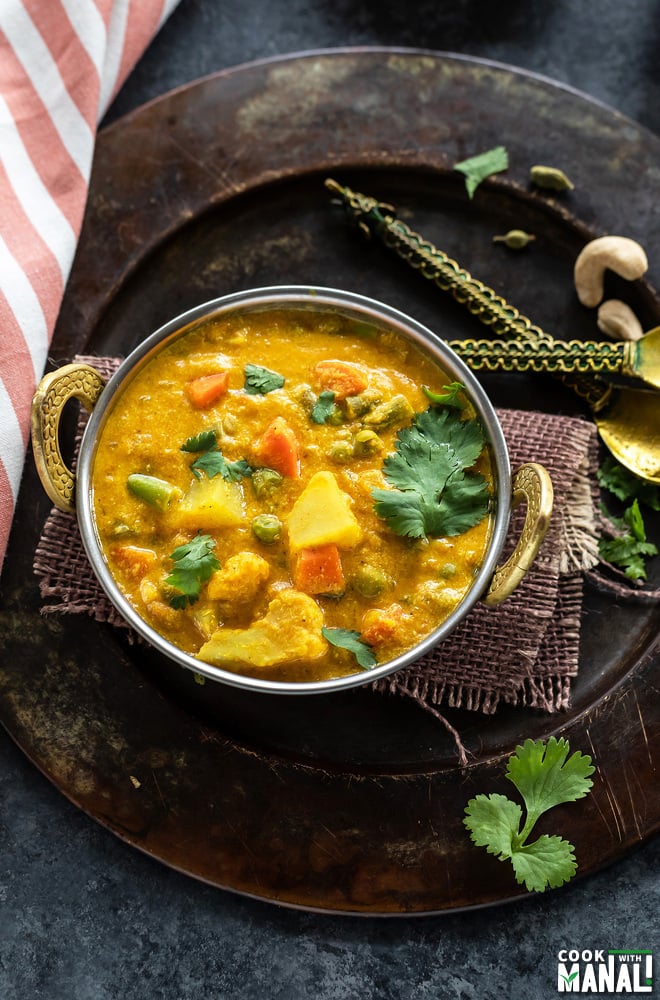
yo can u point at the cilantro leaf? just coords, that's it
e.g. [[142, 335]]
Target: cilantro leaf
[[548, 862], [419, 464], [463, 438], [447, 398], [195, 563], [205, 441], [260, 381], [630, 550], [545, 776], [625, 485], [627, 553], [212, 461], [323, 407], [403, 511], [238, 470], [491, 820], [477, 168], [433, 493], [346, 638], [463, 504], [632, 516]]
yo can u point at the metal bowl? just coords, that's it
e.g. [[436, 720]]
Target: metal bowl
[[492, 583]]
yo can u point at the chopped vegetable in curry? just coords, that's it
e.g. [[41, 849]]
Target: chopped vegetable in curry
[[292, 494]]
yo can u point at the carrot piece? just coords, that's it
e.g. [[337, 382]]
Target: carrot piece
[[341, 377], [279, 449], [380, 625], [319, 571], [135, 561], [207, 389]]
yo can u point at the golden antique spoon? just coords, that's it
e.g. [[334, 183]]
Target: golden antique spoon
[[628, 419]]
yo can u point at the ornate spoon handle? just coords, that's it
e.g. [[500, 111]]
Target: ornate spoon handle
[[557, 358], [377, 218]]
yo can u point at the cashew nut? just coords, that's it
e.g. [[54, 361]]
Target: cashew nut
[[618, 253], [617, 320]]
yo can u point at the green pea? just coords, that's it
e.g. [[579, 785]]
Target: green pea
[[447, 570], [340, 451], [267, 528], [370, 581], [265, 482]]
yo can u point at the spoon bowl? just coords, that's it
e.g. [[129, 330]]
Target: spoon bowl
[[629, 428]]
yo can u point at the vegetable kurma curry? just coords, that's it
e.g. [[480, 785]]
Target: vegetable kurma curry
[[292, 494]]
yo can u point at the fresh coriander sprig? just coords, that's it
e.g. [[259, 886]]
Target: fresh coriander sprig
[[194, 563], [545, 776], [629, 550], [625, 485], [477, 168], [349, 639], [434, 493], [211, 460]]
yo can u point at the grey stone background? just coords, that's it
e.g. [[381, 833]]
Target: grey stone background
[[84, 917]]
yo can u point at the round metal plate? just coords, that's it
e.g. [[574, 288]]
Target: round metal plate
[[351, 802]]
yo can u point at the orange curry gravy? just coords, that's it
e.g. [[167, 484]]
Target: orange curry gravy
[[321, 557]]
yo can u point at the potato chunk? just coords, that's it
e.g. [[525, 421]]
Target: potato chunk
[[208, 504], [240, 578], [289, 631], [322, 516]]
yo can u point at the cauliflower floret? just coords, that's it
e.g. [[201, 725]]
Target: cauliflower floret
[[240, 578], [289, 631]]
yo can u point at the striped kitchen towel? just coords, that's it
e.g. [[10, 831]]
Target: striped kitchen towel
[[61, 63]]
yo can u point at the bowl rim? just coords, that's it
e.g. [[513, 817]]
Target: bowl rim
[[307, 297]]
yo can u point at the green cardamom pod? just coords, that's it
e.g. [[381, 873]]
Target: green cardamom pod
[[550, 177], [515, 239]]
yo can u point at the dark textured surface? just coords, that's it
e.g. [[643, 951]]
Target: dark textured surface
[[81, 914]]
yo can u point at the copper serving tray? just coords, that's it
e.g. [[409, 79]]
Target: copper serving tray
[[351, 802]]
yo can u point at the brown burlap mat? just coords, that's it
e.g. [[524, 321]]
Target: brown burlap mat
[[523, 652]]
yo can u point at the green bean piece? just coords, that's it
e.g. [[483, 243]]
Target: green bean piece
[[156, 492], [370, 581], [336, 416], [305, 396], [265, 482], [267, 528], [367, 443], [357, 406], [393, 411]]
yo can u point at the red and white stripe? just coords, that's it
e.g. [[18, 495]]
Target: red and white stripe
[[61, 64]]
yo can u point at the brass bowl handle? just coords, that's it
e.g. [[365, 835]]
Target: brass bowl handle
[[531, 484], [73, 381]]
